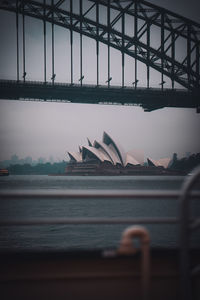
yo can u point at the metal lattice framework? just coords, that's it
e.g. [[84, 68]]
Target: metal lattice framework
[[146, 17]]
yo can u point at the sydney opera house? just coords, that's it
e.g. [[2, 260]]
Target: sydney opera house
[[107, 157]]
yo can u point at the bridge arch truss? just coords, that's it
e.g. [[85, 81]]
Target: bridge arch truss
[[135, 43]]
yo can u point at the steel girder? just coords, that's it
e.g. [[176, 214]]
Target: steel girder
[[145, 16]]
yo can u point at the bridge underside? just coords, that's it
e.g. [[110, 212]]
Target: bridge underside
[[148, 98]]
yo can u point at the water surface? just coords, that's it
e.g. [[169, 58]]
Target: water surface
[[65, 237]]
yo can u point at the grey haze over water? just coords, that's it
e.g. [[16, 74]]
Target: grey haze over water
[[44, 129]]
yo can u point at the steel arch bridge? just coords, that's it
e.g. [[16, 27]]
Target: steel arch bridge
[[111, 30]]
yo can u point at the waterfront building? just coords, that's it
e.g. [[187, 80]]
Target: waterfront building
[[107, 157]]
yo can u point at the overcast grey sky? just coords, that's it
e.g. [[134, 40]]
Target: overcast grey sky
[[43, 129]]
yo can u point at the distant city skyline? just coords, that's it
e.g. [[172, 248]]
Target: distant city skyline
[[15, 159]]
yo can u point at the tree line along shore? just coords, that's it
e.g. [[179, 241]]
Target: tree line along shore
[[186, 165]]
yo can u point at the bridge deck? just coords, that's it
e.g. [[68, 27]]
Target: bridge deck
[[148, 98]]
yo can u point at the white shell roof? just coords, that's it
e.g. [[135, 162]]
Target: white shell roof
[[80, 149], [76, 156], [106, 156], [116, 148], [131, 160], [152, 162], [164, 162], [113, 157], [138, 155], [112, 149], [89, 143], [99, 154]]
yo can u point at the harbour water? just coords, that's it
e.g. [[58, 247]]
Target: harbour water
[[67, 237]]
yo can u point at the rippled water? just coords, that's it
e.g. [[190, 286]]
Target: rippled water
[[65, 237]]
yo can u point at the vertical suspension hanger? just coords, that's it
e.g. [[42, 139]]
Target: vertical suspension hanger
[[123, 60], [24, 42], [108, 25], [148, 54], [52, 40], [197, 64], [45, 46], [81, 41], [162, 50], [135, 35], [173, 56], [17, 37], [97, 40], [71, 39], [188, 54]]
